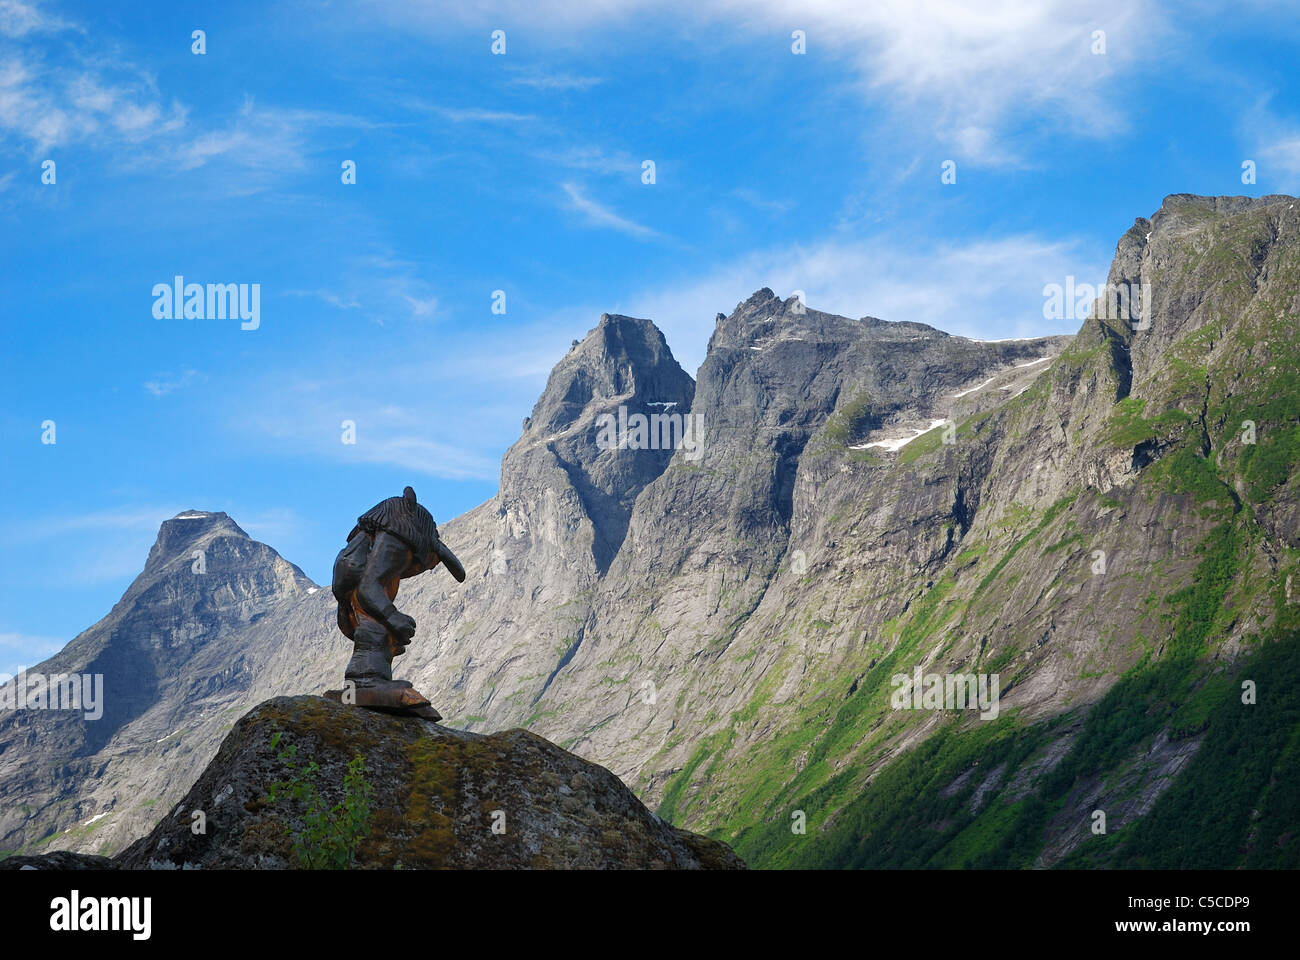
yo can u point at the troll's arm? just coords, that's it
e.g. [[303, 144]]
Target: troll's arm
[[389, 558]]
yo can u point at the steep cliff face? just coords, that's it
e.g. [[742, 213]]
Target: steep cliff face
[[683, 627], [1107, 522], [1104, 536], [538, 551], [174, 653]]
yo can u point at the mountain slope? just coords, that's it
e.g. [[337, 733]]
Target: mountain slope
[[173, 653], [1130, 445]]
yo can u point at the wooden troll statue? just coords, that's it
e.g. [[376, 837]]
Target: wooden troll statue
[[393, 540]]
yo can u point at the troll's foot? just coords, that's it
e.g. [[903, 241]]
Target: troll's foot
[[390, 696]]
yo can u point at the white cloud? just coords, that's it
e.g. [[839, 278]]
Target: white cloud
[[107, 545], [327, 297], [19, 19], [48, 108], [551, 82], [380, 285], [62, 89], [22, 651], [591, 159], [444, 407], [1281, 160], [425, 435], [170, 383], [478, 115], [276, 526], [602, 216], [963, 70], [1276, 149], [759, 202], [110, 520], [425, 307], [91, 95], [260, 142]]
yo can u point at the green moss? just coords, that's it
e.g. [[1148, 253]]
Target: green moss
[[1186, 471], [431, 800]]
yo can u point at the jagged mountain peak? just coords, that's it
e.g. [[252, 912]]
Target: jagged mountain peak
[[177, 645], [765, 318], [1181, 213], [189, 526], [564, 472], [620, 360]]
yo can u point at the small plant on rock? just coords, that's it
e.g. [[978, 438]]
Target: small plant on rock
[[329, 836]]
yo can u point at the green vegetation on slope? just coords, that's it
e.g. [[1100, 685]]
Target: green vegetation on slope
[[1238, 802]]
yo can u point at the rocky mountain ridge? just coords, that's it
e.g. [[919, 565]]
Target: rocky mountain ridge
[[1079, 515]]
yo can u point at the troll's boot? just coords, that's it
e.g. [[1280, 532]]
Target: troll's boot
[[369, 676]]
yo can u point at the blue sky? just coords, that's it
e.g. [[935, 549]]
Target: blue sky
[[523, 172]]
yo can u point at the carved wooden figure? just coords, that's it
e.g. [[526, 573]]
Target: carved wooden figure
[[395, 539]]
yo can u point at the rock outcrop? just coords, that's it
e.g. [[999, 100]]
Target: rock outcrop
[[437, 798]]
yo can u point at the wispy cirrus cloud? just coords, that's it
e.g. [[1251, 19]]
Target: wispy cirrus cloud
[[103, 545], [419, 434], [599, 215], [1281, 157], [62, 85], [554, 82], [446, 408], [1276, 145], [381, 286], [43, 107], [327, 297], [167, 383], [21, 651], [481, 115], [591, 158], [258, 145], [17, 19], [114, 520], [760, 202], [962, 72]]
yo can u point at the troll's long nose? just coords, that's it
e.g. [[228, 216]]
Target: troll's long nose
[[454, 566]]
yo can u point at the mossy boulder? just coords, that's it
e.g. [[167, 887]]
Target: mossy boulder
[[442, 798]]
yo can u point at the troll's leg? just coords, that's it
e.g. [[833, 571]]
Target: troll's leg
[[370, 671], [372, 655]]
